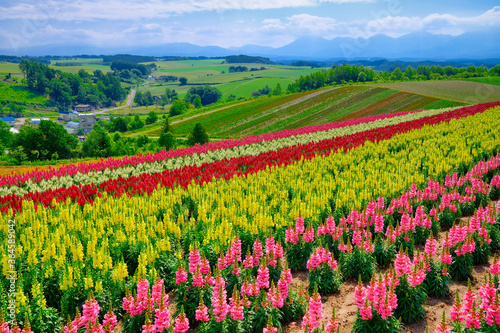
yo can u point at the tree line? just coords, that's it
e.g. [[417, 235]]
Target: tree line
[[350, 74], [67, 89]]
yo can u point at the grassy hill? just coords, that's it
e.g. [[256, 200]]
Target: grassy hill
[[272, 114]]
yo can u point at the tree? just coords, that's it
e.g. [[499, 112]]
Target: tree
[[60, 92], [5, 133], [119, 124], [152, 118], [98, 143], [197, 102], [141, 141], [167, 140], [138, 99], [148, 98], [183, 81], [136, 123], [166, 127], [277, 90], [198, 135], [177, 108], [362, 77], [398, 74]]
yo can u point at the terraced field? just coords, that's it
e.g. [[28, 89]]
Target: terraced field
[[311, 108]]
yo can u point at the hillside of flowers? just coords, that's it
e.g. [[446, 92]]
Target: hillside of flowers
[[211, 238]]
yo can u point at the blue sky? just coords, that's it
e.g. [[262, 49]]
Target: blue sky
[[229, 23]]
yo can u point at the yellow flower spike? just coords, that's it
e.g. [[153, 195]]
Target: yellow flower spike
[[98, 287]]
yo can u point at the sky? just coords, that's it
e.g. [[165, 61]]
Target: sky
[[232, 23]]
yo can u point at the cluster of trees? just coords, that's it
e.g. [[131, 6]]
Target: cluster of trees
[[67, 89], [144, 99], [236, 69], [127, 57], [51, 141], [267, 91], [207, 95], [138, 69], [124, 124], [244, 59], [349, 74], [168, 78], [16, 60], [303, 63], [47, 141]]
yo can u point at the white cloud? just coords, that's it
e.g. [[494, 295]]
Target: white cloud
[[396, 26], [305, 24], [133, 9]]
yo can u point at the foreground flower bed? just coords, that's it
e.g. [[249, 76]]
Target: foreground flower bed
[[235, 241]]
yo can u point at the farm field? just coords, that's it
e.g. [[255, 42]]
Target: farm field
[[311, 108], [468, 92], [17, 93], [274, 229], [495, 80], [209, 71], [8, 67]]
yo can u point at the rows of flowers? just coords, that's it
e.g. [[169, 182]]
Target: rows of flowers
[[67, 251], [227, 168], [260, 279], [75, 175]]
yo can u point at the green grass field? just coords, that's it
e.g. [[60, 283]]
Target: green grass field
[[19, 94], [495, 80], [9, 67], [90, 68], [456, 90]]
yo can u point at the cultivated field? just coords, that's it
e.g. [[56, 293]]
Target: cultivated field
[[456, 90], [309, 108]]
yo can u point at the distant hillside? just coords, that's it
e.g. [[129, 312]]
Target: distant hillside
[[244, 59], [127, 58]]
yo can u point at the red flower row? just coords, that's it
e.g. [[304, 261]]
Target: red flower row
[[112, 163], [228, 168]]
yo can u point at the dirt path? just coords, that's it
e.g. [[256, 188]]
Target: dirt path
[[130, 100]]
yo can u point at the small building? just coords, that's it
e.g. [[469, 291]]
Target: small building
[[68, 115], [87, 122], [11, 121], [35, 121], [84, 108], [157, 98]]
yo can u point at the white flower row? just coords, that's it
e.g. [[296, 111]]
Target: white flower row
[[208, 157]]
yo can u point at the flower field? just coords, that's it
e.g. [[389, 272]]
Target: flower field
[[212, 238]]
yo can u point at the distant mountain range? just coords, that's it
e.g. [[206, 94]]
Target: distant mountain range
[[414, 46]]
